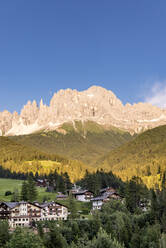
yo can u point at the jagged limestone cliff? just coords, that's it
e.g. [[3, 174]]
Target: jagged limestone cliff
[[95, 104]]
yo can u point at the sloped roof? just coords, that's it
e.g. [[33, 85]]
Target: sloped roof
[[82, 192], [46, 204], [11, 204], [99, 198]]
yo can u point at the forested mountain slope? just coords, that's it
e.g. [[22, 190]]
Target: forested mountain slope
[[84, 141], [22, 158], [144, 156]]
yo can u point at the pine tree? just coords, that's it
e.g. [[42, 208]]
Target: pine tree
[[4, 233], [72, 207], [32, 191], [61, 185], [54, 239], [15, 196], [68, 184], [24, 191]]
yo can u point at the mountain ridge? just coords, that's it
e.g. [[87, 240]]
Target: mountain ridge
[[94, 104]]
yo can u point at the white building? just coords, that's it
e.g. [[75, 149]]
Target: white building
[[53, 211], [19, 213], [97, 202], [25, 213]]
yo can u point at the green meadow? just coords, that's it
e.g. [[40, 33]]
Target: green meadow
[[12, 185]]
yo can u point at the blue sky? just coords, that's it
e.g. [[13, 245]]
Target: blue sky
[[49, 45]]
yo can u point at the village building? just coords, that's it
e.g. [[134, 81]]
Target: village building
[[98, 201], [74, 189], [25, 213], [19, 213], [107, 190], [84, 195], [53, 211], [112, 195]]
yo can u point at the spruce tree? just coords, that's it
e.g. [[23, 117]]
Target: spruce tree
[[72, 207], [32, 191], [15, 196], [68, 184], [154, 206], [24, 191], [61, 185]]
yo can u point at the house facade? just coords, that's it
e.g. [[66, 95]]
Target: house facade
[[19, 213], [107, 190], [84, 196], [98, 201], [53, 211], [25, 213]]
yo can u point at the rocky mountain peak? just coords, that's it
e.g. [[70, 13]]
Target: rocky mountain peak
[[96, 104]]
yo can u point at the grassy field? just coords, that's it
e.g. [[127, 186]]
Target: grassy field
[[8, 185], [12, 184]]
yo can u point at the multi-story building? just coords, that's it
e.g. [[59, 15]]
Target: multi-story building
[[53, 211], [25, 213], [19, 213]]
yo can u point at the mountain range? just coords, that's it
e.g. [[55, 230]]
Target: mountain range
[[86, 130], [95, 104]]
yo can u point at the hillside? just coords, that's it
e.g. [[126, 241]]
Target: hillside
[[145, 156], [22, 158], [84, 141]]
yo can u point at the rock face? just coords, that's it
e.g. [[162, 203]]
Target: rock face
[[96, 104]]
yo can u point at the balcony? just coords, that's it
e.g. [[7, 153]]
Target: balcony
[[4, 212]]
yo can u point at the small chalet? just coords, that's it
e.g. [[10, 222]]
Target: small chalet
[[98, 201], [84, 195], [75, 189], [107, 190]]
